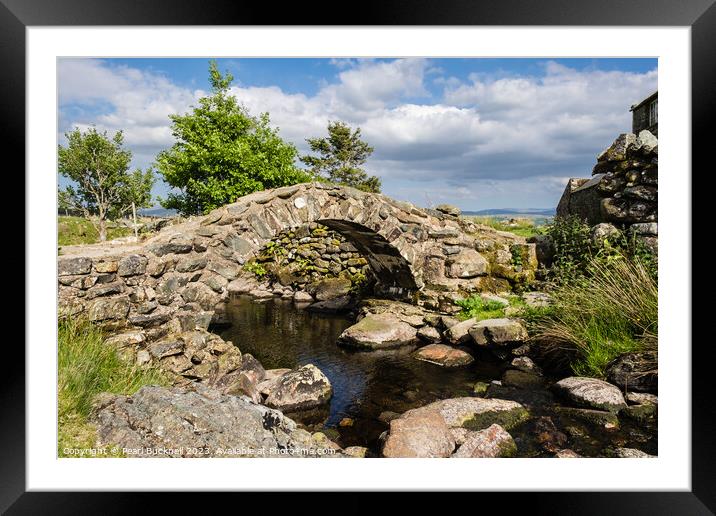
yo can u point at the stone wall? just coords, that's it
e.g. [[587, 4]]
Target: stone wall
[[623, 190], [312, 252]]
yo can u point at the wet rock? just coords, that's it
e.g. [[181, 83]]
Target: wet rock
[[335, 305], [641, 398], [387, 416], [547, 435], [601, 418], [525, 364], [633, 372], [477, 413], [522, 379], [480, 388], [429, 334], [260, 293], [301, 389], [492, 442], [457, 333], [423, 434], [302, 297], [379, 331], [498, 332], [443, 355], [186, 418], [591, 392], [330, 288]]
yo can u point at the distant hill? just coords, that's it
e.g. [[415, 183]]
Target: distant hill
[[522, 212], [157, 212]]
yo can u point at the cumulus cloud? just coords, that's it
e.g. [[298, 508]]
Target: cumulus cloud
[[480, 141]]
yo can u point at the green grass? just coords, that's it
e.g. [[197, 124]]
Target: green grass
[[78, 230], [479, 308], [612, 310], [87, 367], [522, 226]]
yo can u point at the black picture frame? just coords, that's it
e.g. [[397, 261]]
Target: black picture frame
[[700, 15]]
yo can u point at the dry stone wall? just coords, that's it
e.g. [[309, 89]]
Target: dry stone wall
[[623, 189]]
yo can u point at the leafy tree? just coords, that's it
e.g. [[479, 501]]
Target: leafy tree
[[340, 157], [222, 153], [97, 165]]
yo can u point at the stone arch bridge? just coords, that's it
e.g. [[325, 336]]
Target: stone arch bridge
[[432, 255]]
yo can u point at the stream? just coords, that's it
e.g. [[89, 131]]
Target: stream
[[368, 386]]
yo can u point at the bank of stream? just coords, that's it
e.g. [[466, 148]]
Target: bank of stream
[[371, 387]]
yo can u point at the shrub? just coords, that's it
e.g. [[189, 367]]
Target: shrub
[[575, 252], [612, 309], [85, 368]]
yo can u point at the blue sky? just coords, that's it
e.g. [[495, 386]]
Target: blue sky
[[480, 133]]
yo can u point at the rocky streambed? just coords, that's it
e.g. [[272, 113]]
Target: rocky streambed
[[373, 378]]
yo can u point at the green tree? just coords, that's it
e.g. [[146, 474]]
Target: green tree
[[222, 153], [136, 195], [97, 165], [340, 157]]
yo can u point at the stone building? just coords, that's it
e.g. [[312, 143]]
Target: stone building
[[645, 115]]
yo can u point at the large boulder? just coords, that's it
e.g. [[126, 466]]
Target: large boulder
[[197, 421], [466, 264], [634, 372], [301, 389], [476, 413], [498, 332], [458, 333], [423, 434], [443, 355], [330, 288], [492, 442], [379, 331], [591, 392]]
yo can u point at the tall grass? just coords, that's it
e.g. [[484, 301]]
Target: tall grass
[[612, 310], [87, 367]]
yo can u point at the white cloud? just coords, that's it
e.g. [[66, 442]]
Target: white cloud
[[484, 140]]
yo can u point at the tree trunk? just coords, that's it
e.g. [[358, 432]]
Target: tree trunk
[[134, 217], [102, 229]]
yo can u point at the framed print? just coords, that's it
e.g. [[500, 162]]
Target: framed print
[[428, 240]]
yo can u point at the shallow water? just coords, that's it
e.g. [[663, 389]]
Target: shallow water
[[366, 384]]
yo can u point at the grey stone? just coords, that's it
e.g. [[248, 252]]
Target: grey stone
[[498, 332], [73, 266], [591, 392], [196, 421], [304, 388], [379, 331], [492, 442], [132, 265]]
